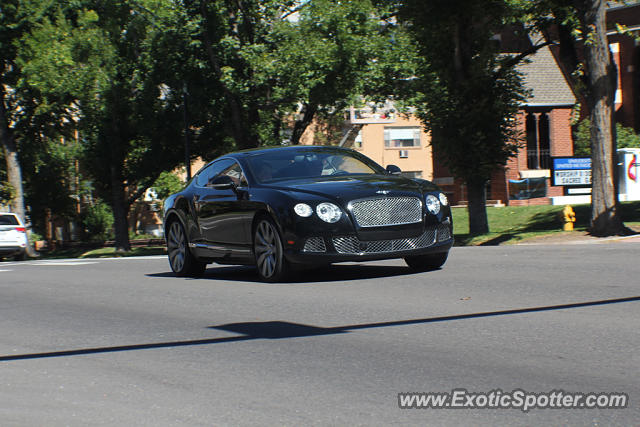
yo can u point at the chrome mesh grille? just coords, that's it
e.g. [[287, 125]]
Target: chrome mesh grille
[[444, 233], [352, 245], [314, 244], [387, 211]]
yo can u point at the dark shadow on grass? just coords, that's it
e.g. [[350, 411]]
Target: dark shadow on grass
[[498, 240], [328, 273], [282, 330]]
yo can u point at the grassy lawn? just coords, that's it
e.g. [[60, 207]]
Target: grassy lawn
[[517, 223]]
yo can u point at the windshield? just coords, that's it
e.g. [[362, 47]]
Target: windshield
[[273, 165]]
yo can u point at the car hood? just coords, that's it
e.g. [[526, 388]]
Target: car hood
[[346, 188]]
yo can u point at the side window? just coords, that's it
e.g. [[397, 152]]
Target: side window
[[213, 170], [234, 172]]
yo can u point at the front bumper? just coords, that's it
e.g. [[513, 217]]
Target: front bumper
[[436, 238]]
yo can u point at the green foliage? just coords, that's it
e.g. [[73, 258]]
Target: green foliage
[[582, 139], [51, 179], [34, 237], [625, 138], [466, 92], [167, 184], [7, 193], [97, 222]]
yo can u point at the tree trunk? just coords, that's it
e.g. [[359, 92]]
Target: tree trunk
[[301, 125], [478, 222], [14, 170], [120, 211], [600, 78]]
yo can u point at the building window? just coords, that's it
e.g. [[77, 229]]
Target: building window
[[538, 141], [397, 137]]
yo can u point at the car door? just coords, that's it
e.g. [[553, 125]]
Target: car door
[[221, 210]]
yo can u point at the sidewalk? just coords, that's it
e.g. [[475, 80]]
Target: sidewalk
[[578, 238]]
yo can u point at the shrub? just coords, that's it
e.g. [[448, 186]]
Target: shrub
[[97, 222]]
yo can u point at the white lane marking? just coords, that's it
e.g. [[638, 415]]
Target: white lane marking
[[80, 261], [63, 262], [2, 271]]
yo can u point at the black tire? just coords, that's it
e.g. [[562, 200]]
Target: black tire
[[20, 257], [427, 262], [181, 260], [268, 251]]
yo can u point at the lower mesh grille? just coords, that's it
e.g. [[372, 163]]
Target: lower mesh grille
[[352, 245], [444, 233], [314, 244]]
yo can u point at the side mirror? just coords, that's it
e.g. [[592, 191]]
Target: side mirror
[[221, 182], [393, 170]]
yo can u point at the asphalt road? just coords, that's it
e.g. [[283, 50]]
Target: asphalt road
[[122, 342]]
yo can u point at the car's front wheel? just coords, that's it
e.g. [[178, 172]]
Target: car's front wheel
[[427, 262], [181, 260], [267, 247]]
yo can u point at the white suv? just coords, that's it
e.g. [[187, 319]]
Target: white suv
[[13, 236]]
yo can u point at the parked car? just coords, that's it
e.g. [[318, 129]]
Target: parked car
[[13, 236], [281, 207]]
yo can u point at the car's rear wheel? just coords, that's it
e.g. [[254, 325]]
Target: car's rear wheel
[[20, 257], [427, 262], [269, 254], [181, 260]]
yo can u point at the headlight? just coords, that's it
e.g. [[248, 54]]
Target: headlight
[[443, 199], [328, 212], [433, 204], [303, 209]]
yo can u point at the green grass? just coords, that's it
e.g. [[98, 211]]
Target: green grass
[[512, 224]]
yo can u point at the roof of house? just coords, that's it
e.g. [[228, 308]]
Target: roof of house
[[543, 77]]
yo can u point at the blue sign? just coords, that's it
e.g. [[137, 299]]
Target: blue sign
[[571, 171], [571, 163]]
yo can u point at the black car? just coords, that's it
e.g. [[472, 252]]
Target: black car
[[282, 207]]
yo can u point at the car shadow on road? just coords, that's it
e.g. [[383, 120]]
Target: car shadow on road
[[328, 273], [280, 330]]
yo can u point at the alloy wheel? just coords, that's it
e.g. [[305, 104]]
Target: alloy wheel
[[268, 250], [177, 247]]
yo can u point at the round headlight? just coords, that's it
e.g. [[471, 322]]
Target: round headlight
[[328, 212], [443, 199], [303, 209], [433, 204]]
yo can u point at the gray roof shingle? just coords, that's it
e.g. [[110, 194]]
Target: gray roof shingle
[[543, 77]]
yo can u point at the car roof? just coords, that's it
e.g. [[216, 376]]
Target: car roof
[[260, 150]]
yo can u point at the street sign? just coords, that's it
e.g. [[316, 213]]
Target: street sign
[[571, 171]]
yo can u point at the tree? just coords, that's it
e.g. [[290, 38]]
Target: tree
[[580, 28], [12, 26], [27, 121], [467, 92], [274, 60], [334, 53], [124, 63]]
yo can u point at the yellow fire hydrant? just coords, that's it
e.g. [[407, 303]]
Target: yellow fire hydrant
[[568, 218]]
